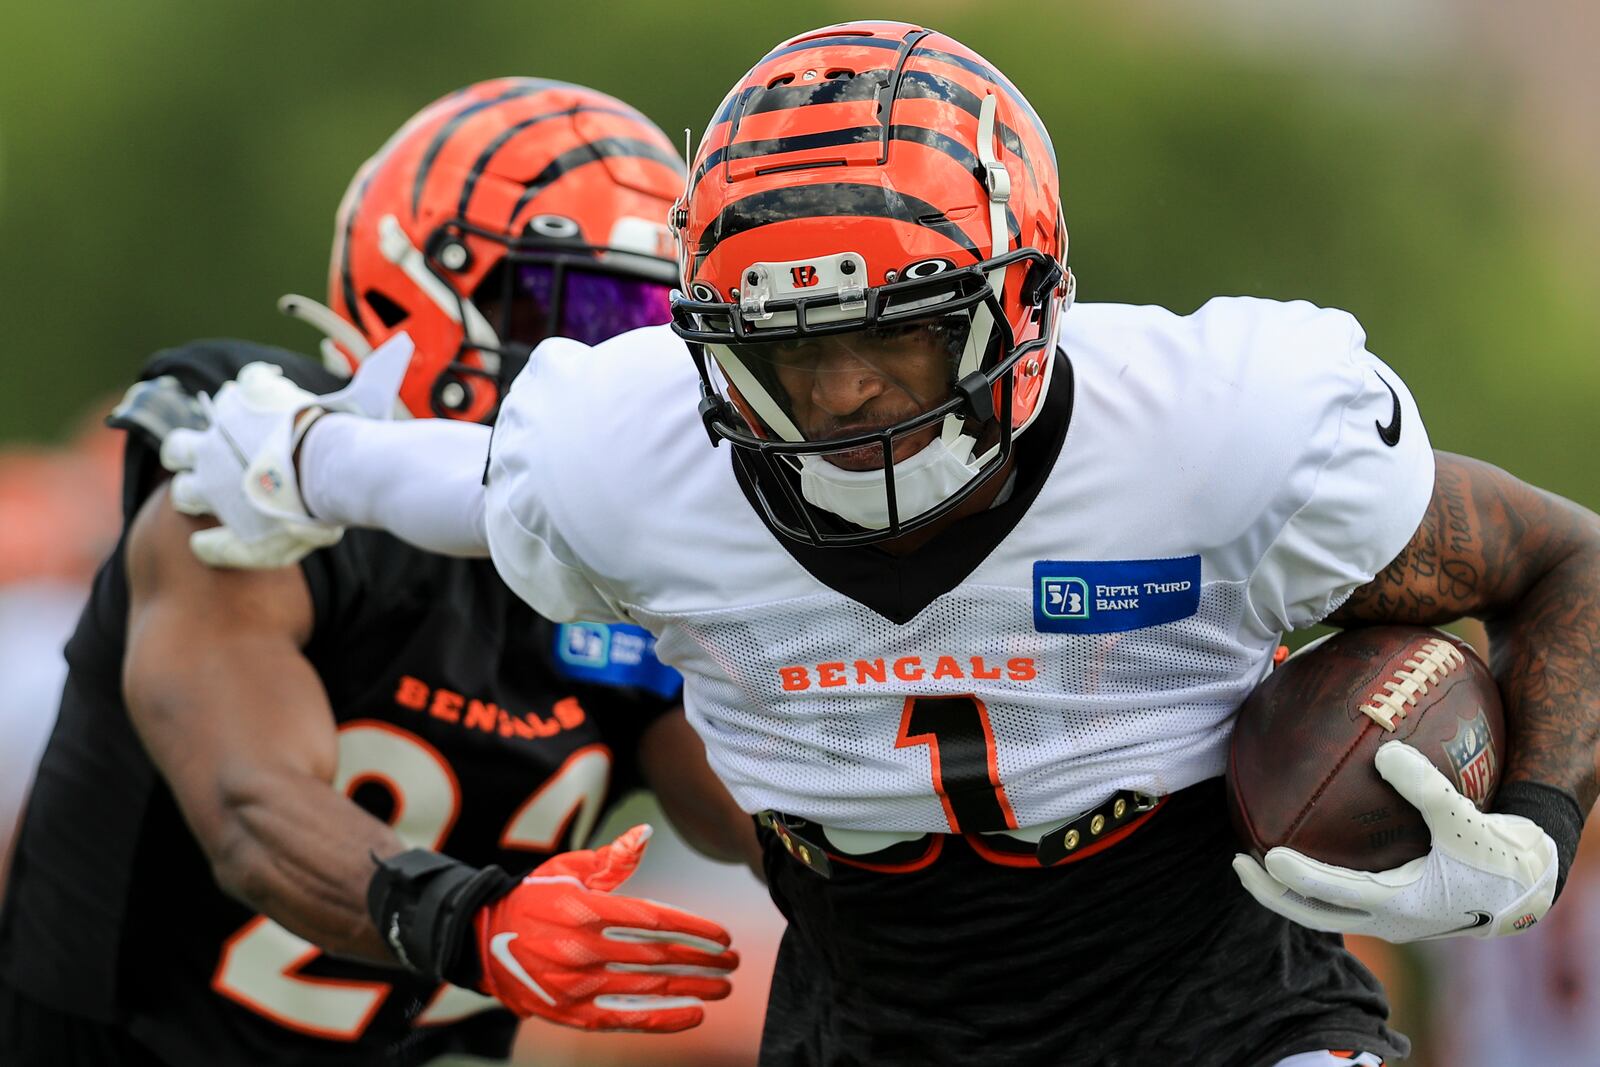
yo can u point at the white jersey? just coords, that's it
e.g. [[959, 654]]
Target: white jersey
[[1223, 477]]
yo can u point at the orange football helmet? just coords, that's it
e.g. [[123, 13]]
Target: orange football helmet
[[864, 187], [504, 213]]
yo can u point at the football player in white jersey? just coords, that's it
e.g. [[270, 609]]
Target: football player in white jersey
[[967, 607]]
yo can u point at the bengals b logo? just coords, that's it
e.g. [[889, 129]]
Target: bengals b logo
[[804, 277]]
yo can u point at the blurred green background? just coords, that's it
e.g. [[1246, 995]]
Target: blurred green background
[[168, 169]]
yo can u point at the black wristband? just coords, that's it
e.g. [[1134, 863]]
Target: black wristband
[[423, 905], [1555, 811]]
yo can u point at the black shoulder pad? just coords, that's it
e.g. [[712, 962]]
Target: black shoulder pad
[[206, 365], [154, 407]]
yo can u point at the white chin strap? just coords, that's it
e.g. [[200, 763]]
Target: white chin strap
[[327, 320], [921, 483]]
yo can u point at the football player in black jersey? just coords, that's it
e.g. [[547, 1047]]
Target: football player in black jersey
[[275, 818]]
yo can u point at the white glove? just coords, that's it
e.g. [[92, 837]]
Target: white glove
[[1486, 875], [241, 469]]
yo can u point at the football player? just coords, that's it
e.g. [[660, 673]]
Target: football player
[[967, 605], [275, 822]]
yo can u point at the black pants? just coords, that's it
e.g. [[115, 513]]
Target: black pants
[[32, 1035], [1147, 953]]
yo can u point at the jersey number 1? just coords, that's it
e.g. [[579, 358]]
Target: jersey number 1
[[261, 964], [961, 749]]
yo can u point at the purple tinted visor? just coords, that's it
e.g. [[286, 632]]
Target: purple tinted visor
[[591, 306]]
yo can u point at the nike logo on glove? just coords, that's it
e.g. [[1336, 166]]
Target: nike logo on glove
[[1391, 433], [500, 949], [1479, 918]]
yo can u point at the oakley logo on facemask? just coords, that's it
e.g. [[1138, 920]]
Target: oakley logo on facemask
[[804, 277]]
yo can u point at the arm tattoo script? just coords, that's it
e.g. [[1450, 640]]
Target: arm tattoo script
[[1527, 563]]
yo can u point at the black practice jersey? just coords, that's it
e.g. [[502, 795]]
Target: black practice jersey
[[456, 723]]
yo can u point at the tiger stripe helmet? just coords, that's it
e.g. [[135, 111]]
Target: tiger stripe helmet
[[861, 176], [505, 212]]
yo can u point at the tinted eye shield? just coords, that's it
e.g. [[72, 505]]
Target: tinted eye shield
[[543, 288]]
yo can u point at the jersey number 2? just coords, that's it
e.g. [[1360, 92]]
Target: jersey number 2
[[961, 750], [261, 964]]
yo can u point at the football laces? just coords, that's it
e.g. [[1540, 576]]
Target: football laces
[[1427, 667]]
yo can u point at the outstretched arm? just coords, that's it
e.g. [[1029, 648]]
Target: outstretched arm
[[1527, 562], [421, 480]]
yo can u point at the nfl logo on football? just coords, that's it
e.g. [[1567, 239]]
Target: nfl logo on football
[[1472, 756]]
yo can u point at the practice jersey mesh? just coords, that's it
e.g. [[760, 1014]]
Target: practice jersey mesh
[[1242, 449], [1153, 720]]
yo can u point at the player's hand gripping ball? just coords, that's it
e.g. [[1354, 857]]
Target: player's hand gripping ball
[[1359, 779]]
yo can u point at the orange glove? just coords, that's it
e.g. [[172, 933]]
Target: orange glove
[[560, 946]]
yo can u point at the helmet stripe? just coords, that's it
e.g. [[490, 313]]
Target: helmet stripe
[[832, 138], [864, 85], [775, 146], [524, 87], [781, 94], [850, 40], [481, 164], [993, 77], [921, 84], [347, 284], [593, 152], [827, 200], [914, 85]]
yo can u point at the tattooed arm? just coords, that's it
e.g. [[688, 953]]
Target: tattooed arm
[[1527, 563]]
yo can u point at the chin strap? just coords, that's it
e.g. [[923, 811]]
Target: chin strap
[[333, 325], [997, 180]]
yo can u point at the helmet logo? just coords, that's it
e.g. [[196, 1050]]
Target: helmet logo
[[839, 274], [927, 268]]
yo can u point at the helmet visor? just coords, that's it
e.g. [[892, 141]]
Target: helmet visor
[[567, 300], [836, 386]]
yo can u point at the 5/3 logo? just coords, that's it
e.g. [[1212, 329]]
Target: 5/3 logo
[[1064, 598]]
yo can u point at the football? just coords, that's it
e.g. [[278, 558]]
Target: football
[[1300, 768]]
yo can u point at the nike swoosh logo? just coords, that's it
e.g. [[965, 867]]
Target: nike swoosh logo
[[1390, 433], [500, 949], [1479, 918]]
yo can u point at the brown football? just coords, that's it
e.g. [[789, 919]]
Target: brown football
[[1300, 768]]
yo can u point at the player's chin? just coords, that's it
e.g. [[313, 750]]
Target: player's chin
[[870, 457]]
